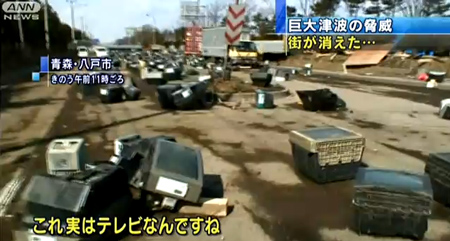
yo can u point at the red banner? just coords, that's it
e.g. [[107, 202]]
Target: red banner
[[193, 40]]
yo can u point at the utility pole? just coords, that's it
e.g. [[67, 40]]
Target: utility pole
[[153, 28], [197, 13], [21, 38], [72, 16], [83, 27], [47, 35]]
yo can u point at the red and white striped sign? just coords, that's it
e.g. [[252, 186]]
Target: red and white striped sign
[[235, 22]]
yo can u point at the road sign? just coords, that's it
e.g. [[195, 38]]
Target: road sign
[[235, 22]]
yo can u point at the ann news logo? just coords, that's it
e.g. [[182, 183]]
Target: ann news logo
[[21, 10]]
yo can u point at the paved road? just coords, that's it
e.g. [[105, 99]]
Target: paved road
[[248, 148]]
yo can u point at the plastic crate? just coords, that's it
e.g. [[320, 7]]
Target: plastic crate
[[388, 202], [438, 167], [66, 156], [327, 154]]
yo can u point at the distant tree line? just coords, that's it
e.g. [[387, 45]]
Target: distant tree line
[[148, 35], [261, 20]]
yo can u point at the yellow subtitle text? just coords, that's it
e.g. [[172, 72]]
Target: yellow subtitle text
[[133, 226], [326, 42]]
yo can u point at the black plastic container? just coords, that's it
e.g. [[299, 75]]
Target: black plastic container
[[86, 92], [172, 73], [208, 101], [261, 79], [111, 93], [321, 99], [438, 167], [264, 100], [192, 96], [102, 191], [184, 98], [165, 98], [438, 76], [327, 154], [391, 203], [132, 92], [156, 78]]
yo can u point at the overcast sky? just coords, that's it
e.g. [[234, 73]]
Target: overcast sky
[[107, 19]]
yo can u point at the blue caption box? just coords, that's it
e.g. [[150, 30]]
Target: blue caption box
[[35, 76], [360, 25], [44, 64]]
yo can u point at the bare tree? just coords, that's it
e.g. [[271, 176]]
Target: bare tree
[[412, 8], [215, 12], [304, 8], [354, 6], [424, 8], [269, 10]]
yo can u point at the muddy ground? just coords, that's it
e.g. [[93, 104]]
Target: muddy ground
[[238, 85], [249, 149]]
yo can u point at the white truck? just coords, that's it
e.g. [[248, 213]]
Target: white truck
[[271, 46], [214, 46]]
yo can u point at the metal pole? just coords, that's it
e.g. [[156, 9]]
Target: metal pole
[[21, 38], [83, 30], [197, 19], [72, 15], [154, 31], [47, 36]]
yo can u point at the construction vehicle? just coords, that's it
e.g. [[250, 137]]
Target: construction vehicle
[[214, 47]]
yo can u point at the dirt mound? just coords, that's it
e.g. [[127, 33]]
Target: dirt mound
[[389, 66], [236, 85]]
